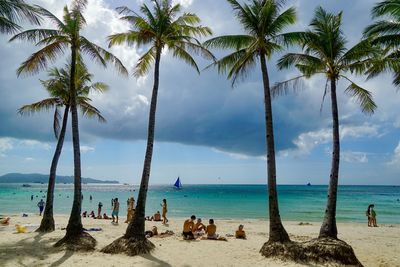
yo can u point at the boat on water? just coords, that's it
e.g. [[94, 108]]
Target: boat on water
[[26, 185], [308, 184], [178, 184]]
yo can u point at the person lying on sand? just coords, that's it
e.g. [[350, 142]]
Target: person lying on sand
[[105, 217], [151, 233], [211, 232], [240, 233], [188, 228], [199, 227], [5, 221]]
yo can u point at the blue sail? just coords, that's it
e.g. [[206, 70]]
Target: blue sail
[[178, 184]]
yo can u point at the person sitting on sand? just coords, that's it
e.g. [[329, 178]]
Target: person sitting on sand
[[105, 217], [5, 221], [188, 228], [92, 215], [211, 230], [240, 233], [156, 217], [151, 233], [84, 214], [199, 227]]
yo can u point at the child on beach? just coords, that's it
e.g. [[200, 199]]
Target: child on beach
[[240, 233], [41, 206]]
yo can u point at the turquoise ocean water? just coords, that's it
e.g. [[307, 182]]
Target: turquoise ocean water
[[297, 202]]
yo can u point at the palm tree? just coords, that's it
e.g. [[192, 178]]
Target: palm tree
[[325, 52], [263, 22], [58, 88], [13, 12], [385, 34], [54, 43], [157, 29]]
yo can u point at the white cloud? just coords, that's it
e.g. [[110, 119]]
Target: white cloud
[[29, 159], [354, 157], [85, 149], [35, 144], [184, 3], [232, 155], [5, 145], [396, 156], [306, 142]]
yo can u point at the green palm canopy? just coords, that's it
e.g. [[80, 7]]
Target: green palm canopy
[[385, 32], [13, 12]]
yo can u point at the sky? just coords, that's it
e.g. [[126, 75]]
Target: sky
[[206, 131]]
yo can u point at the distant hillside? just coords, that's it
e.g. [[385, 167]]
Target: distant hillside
[[43, 178]]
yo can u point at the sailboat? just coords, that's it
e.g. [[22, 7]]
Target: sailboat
[[178, 184]]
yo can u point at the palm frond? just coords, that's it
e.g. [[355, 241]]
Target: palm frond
[[144, 63], [90, 111], [180, 53], [236, 42], [362, 96], [295, 84], [40, 59]]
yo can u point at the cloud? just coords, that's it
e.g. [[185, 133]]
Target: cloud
[[395, 161], [306, 142], [197, 110], [5, 145], [85, 149], [354, 157]]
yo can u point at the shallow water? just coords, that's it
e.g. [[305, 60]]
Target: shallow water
[[297, 202]]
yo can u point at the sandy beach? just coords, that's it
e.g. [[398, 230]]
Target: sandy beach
[[373, 246]]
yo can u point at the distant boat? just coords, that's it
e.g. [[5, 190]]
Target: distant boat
[[178, 184], [308, 184], [26, 185]]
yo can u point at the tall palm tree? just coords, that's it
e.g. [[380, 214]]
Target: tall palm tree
[[54, 43], [386, 34], [13, 12], [264, 23], [325, 52], [157, 29], [58, 88]]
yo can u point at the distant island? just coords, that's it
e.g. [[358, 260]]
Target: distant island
[[43, 178]]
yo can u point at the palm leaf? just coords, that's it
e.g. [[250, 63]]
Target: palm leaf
[[362, 96]]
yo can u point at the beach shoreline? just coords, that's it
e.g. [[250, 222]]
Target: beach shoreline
[[373, 246]]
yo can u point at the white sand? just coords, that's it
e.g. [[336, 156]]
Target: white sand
[[373, 246]]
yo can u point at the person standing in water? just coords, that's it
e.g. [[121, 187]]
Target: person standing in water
[[90, 198], [164, 211], [115, 210], [31, 197], [41, 206], [373, 216]]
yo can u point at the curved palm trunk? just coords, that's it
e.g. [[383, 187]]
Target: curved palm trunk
[[136, 226], [328, 228], [277, 232], [74, 226], [47, 223]]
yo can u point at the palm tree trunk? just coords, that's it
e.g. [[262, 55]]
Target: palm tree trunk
[[328, 228], [277, 232], [136, 226], [47, 223], [74, 226]]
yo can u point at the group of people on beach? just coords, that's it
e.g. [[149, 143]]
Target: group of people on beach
[[194, 230]]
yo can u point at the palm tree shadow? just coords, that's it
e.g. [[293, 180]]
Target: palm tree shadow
[[159, 262], [66, 256]]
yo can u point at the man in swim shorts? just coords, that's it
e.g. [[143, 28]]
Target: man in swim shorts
[[188, 228], [41, 206]]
